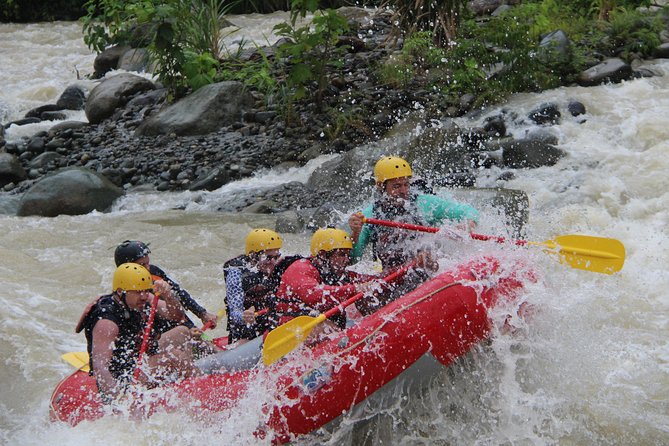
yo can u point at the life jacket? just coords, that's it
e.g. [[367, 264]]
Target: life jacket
[[259, 292], [289, 306], [130, 324], [390, 244]]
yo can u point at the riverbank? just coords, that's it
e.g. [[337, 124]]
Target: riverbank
[[358, 114]]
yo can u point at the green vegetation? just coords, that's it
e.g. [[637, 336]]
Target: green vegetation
[[500, 56], [311, 48], [444, 49]]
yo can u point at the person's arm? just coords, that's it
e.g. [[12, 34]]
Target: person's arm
[[234, 294], [185, 298], [436, 210], [304, 284], [169, 307], [362, 239], [105, 333]]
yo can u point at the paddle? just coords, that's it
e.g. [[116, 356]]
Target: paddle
[[79, 360], [147, 334], [283, 339], [598, 254]]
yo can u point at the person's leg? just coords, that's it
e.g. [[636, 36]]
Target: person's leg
[[174, 354], [239, 358]]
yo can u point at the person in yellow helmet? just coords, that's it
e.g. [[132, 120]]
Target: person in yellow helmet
[[114, 329], [314, 285], [396, 200], [250, 281]]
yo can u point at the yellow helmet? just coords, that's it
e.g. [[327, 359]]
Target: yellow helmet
[[390, 167], [328, 239], [262, 239], [131, 276]]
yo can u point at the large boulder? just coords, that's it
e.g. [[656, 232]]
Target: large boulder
[[613, 70], [112, 93], [71, 191], [11, 170], [207, 110]]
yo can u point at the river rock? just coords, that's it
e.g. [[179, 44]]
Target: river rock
[[208, 109], [113, 93], [662, 51], [71, 191], [289, 222], [135, 59], [611, 70], [544, 114], [212, 180], [37, 111], [11, 170], [72, 98], [528, 153], [107, 60]]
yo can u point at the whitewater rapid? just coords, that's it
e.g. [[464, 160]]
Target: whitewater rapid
[[590, 367]]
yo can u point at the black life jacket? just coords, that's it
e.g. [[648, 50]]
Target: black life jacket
[[126, 346], [390, 244], [259, 292]]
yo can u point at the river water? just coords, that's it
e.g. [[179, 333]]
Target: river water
[[590, 367]]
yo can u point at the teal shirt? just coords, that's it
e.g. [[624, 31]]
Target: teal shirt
[[434, 210]]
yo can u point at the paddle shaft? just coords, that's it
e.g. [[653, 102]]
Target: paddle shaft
[[353, 299], [412, 227], [147, 334]]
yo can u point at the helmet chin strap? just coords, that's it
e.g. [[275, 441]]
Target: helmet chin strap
[[126, 308]]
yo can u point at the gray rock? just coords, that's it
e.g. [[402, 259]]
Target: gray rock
[[113, 93], [108, 59], [555, 47], [135, 59], [576, 108], [72, 191], [212, 180], [73, 98], [11, 170], [67, 125], [36, 144], [261, 207], [547, 113], [43, 160], [662, 51], [289, 222], [37, 111], [208, 109], [613, 70], [481, 7], [53, 116], [526, 153]]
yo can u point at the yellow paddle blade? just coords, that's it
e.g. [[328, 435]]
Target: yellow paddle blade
[[598, 254], [78, 360], [284, 338]]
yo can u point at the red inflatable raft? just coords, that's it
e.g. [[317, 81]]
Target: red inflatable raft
[[442, 319]]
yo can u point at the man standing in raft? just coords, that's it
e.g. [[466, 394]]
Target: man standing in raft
[[114, 329], [397, 201]]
